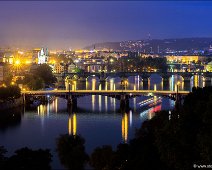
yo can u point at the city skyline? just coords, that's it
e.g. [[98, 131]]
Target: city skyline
[[79, 24]]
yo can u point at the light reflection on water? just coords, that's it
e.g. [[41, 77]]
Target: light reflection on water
[[97, 119]]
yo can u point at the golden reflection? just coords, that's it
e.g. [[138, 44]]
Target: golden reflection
[[48, 109], [56, 105], [196, 81], [182, 84], [69, 125], [93, 84], [114, 104], [100, 98], [111, 84], [148, 84], [41, 110], [86, 84], [100, 103], [203, 84], [106, 85], [134, 87], [100, 87], [161, 85], [74, 87], [106, 104], [93, 101], [155, 87], [124, 127], [142, 85], [72, 124]]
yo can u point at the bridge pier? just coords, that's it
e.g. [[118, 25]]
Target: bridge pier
[[145, 78], [82, 79], [145, 85], [207, 80], [165, 78], [124, 103], [178, 103], [187, 79], [102, 80], [102, 77], [72, 103]]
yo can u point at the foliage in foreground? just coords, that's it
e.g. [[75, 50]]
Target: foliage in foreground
[[164, 143], [9, 93], [25, 159], [71, 151]]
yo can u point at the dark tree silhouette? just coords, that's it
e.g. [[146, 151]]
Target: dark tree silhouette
[[3, 151], [44, 71], [176, 141], [26, 159], [103, 158], [9, 92], [71, 151]]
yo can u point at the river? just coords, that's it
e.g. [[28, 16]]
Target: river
[[97, 119]]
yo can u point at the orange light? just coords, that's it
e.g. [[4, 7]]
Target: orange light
[[17, 62]]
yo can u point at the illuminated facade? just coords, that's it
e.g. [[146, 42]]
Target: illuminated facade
[[43, 56], [58, 68], [8, 58], [1, 73], [209, 67], [185, 59]]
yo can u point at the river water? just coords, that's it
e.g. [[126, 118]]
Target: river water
[[97, 119]]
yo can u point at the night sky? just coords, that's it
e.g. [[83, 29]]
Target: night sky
[[78, 24]]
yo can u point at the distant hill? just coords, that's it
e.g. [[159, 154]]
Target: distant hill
[[156, 44]]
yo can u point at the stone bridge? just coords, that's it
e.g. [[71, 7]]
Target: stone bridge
[[102, 76]]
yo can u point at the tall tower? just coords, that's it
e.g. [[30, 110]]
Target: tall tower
[[149, 36], [43, 56]]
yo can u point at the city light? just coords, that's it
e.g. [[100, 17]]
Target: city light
[[17, 62]]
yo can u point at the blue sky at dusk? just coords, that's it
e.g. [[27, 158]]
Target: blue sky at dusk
[[71, 24]]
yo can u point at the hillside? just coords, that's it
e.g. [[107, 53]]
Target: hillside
[[156, 44]]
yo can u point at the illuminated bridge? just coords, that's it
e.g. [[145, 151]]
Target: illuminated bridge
[[122, 95], [102, 76]]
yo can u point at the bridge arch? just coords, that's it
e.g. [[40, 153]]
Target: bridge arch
[[94, 76]]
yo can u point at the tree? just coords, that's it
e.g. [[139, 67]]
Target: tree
[[71, 151], [26, 159], [9, 92], [103, 158], [45, 72], [33, 82], [3, 151]]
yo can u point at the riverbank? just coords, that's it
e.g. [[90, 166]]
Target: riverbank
[[11, 104]]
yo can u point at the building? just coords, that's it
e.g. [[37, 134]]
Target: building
[[8, 58], [209, 67], [71, 68], [43, 56], [1, 73], [185, 59], [58, 68]]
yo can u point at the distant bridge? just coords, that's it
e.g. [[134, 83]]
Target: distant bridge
[[122, 95], [144, 75]]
